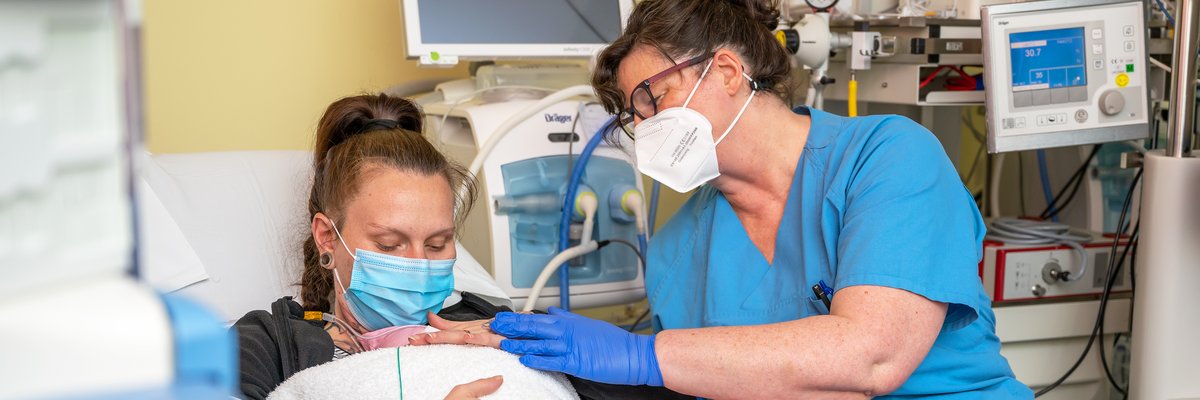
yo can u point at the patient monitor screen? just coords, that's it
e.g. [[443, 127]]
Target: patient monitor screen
[[1048, 59], [519, 21]]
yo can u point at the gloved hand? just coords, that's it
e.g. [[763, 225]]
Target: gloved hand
[[579, 346]]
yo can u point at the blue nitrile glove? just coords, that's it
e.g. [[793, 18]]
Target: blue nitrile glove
[[579, 346]]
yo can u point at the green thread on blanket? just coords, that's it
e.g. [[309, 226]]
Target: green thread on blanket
[[400, 378]]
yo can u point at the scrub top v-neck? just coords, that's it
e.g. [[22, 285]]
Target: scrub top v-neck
[[874, 201]]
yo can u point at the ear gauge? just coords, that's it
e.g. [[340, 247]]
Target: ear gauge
[[326, 260]]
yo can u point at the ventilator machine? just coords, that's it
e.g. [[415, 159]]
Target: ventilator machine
[[553, 193]]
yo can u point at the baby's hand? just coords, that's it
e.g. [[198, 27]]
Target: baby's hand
[[452, 332], [475, 390]]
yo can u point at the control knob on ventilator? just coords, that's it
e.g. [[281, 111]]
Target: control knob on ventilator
[[1112, 102]]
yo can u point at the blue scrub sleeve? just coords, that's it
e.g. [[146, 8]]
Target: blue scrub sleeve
[[909, 223]]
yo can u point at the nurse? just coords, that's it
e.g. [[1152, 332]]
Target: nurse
[[791, 208]]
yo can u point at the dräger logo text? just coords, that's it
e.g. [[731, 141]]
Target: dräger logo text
[[562, 119]]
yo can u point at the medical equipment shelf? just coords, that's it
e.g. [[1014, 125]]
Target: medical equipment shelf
[[919, 40], [1040, 341], [909, 50], [899, 84]]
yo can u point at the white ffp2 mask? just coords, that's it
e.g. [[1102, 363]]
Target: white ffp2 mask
[[676, 147]]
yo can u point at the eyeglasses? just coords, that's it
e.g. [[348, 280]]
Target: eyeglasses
[[642, 103]]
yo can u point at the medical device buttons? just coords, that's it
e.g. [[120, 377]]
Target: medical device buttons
[[1023, 99], [1097, 49], [1097, 64], [1038, 290], [1097, 33], [1112, 102], [1059, 95], [1041, 97], [1129, 46], [1127, 30], [1051, 119], [1081, 115], [1078, 93]]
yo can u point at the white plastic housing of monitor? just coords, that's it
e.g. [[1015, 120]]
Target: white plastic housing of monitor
[[1112, 106], [441, 54]]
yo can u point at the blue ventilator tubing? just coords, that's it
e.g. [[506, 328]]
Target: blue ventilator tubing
[[1041, 157], [1161, 7], [564, 280]]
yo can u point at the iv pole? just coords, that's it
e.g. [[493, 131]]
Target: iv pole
[[1165, 320]]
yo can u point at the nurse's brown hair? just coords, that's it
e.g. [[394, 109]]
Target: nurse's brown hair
[[357, 133], [682, 29]]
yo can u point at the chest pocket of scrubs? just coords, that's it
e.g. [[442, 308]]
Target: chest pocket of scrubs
[[768, 301], [817, 307]]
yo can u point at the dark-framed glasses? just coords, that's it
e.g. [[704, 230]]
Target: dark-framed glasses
[[642, 103]]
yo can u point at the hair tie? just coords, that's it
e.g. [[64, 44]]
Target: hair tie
[[757, 85], [379, 124]]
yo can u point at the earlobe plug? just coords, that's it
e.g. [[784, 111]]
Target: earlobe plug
[[326, 259]]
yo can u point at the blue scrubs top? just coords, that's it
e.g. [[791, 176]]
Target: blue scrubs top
[[874, 201]]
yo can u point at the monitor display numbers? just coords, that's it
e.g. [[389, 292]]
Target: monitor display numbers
[[1048, 59]]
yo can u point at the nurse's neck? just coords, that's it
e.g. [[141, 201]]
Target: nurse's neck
[[758, 159]]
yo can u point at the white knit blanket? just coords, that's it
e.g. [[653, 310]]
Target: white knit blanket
[[427, 372]]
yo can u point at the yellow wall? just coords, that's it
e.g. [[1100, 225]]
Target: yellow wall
[[256, 75]]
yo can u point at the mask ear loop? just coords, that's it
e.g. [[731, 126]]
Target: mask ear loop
[[336, 276], [753, 91], [339, 236], [702, 75], [344, 246], [330, 317]]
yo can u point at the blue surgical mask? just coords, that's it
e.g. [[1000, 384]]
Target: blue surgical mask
[[387, 290]]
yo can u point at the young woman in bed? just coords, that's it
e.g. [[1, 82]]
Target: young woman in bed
[[378, 264], [381, 253]]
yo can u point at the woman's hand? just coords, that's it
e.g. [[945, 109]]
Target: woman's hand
[[452, 332], [580, 346], [475, 390]]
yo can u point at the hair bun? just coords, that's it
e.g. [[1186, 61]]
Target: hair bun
[[765, 12], [356, 115]]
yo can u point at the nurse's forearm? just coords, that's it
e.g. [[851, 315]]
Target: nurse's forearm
[[766, 361], [855, 352]]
